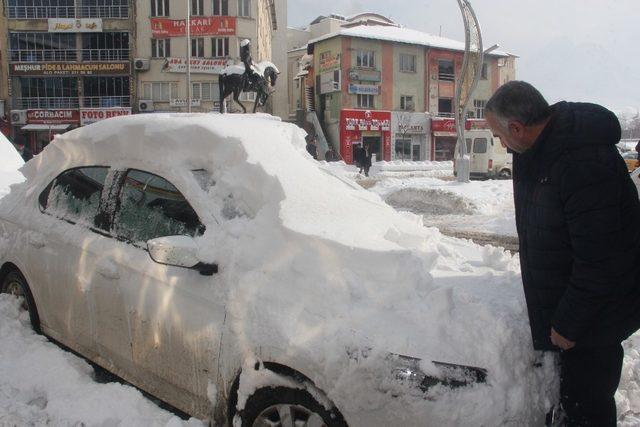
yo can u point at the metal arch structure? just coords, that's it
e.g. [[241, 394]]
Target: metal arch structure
[[466, 83]]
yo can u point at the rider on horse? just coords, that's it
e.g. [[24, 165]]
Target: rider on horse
[[245, 56]]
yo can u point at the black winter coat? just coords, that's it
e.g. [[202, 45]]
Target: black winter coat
[[578, 220]]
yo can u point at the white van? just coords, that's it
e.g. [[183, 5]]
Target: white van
[[489, 159]]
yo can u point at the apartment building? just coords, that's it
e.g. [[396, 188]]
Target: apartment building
[[373, 82], [65, 63]]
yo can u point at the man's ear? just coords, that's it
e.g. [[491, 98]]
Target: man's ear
[[516, 128]]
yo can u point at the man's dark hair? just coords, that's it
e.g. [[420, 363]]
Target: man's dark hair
[[520, 101]]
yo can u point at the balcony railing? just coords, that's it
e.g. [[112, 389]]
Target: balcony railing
[[48, 55], [444, 114], [105, 54], [446, 77], [115, 12], [40, 12], [106, 101], [57, 102]]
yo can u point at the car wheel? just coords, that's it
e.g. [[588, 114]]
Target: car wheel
[[15, 284], [505, 174], [287, 407]]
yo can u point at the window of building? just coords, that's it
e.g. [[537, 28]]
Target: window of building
[[248, 96], [220, 47], [221, 7], [41, 47], [151, 207], [160, 48], [159, 7], [445, 107], [108, 46], [104, 9], [445, 70], [407, 63], [206, 91], [159, 91], [484, 73], [197, 47], [479, 105], [104, 92], [403, 149], [244, 8], [365, 58], [197, 7], [365, 101], [75, 195], [48, 92], [406, 103], [40, 9]]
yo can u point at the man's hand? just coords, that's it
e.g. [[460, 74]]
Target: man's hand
[[560, 341]]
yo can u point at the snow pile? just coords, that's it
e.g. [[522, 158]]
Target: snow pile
[[628, 394], [10, 162], [44, 385], [477, 206]]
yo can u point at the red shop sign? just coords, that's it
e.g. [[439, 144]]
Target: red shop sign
[[447, 125], [208, 26], [53, 117]]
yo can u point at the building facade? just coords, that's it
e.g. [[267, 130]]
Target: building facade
[[65, 63], [376, 83], [217, 28]]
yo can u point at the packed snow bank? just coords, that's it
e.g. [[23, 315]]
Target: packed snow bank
[[10, 162], [41, 384], [395, 169], [476, 206]]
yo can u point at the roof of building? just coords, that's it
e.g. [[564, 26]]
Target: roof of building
[[400, 35]]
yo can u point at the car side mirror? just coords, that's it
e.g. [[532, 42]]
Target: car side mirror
[[179, 251]]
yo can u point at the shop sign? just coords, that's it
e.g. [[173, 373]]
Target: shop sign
[[72, 25], [330, 82], [329, 62], [53, 117], [447, 125], [364, 75], [364, 89], [92, 115], [209, 26], [181, 102], [367, 121], [408, 123], [198, 65], [68, 69]]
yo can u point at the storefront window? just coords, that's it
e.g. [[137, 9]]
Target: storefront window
[[41, 47], [403, 149], [106, 92]]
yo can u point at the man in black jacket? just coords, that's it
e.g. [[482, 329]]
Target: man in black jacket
[[578, 221]]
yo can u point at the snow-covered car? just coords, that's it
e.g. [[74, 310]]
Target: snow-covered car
[[210, 261]]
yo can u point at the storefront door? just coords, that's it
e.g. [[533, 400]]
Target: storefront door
[[375, 146]]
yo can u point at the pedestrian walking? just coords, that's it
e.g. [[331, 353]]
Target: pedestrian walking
[[366, 160], [577, 217]]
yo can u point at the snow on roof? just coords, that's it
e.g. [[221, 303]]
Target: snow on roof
[[400, 35]]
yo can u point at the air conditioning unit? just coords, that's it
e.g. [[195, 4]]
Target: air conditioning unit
[[145, 106], [141, 64], [19, 117]]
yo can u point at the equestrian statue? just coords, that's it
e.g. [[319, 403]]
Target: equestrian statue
[[248, 77]]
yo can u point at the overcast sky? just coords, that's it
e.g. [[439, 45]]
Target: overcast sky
[[578, 50]]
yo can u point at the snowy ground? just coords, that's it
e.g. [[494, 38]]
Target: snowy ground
[[41, 384]]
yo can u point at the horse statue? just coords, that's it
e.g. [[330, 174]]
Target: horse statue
[[234, 80]]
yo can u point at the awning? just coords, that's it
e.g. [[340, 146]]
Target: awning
[[45, 127]]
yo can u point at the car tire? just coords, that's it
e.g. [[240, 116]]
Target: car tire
[[505, 174], [283, 406], [14, 283]]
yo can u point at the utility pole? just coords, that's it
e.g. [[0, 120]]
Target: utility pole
[[466, 83], [188, 56]]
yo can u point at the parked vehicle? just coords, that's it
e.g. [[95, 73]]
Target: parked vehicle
[[489, 158], [187, 255], [631, 159]]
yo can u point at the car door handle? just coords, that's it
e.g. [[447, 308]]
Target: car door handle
[[108, 269], [36, 239]]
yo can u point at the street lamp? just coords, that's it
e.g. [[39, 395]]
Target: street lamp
[[467, 82]]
